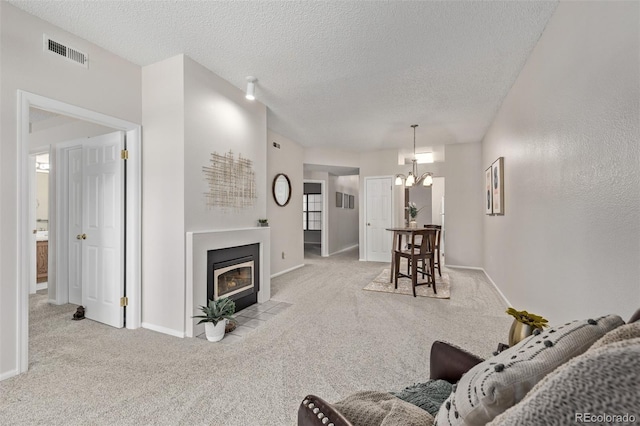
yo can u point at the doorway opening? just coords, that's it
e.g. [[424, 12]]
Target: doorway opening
[[28, 102], [314, 218], [430, 201], [332, 203], [39, 219]]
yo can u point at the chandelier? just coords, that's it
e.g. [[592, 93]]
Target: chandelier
[[413, 179]]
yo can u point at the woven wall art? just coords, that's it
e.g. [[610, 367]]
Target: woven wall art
[[231, 181]]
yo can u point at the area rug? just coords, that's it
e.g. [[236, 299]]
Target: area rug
[[381, 283]]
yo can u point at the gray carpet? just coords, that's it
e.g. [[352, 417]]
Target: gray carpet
[[335, 339]]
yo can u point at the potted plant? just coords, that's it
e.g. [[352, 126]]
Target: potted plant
[[263, 222], [413, 210], [216, 315], [524, 324]]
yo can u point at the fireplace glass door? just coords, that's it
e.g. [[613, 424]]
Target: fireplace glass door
[[233, 279]]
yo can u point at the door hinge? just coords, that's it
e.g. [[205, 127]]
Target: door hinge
[[124, 301], [124, 154]]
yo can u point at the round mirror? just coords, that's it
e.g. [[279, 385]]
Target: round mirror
[[281, 189]]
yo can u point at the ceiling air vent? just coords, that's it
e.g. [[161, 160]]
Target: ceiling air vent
[[71, 54]]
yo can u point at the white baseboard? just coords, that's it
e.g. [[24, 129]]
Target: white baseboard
[[287, 270], [163, 330], [8, 375], [474, 268], [344, 249], [42, 286], [502, 296]]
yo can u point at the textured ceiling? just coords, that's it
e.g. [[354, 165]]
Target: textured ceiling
[[349, 75]]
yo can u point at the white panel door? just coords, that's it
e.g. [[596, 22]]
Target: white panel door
[[103, 225], [33, 275], [378, 218], [75, 225]]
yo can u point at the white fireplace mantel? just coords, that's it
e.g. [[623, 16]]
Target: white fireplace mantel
[[198, 243]]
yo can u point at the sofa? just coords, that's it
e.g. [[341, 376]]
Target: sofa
[[580, 372]]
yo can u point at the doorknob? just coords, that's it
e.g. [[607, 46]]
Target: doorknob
[[78, 237], [368, 224], [84, 236]]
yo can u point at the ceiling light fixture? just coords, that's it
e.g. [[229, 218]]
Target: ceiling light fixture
[[412, 178], [251, 88]]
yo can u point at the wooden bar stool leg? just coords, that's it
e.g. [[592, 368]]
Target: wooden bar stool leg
[[396, 270], [393, 255], [433, 277], [414, 274]]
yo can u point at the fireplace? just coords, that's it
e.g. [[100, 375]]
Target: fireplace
[[234, 273]]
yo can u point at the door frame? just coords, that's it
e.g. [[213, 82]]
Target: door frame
[[324, 232], [364, 208], [33, 183], [132, 218]]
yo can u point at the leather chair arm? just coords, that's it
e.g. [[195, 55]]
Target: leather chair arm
[[450, 362], [314, 410]]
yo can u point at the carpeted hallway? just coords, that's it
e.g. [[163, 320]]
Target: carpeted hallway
[[335, 339]]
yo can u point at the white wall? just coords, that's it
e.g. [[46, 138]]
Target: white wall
[[568, 245], [331, 157], [110, 86], [219, 119], [285, 222], [463, 204], [45, 133], [437, 192], [421, 195], [188, 113], [163, 195], [343, 222]]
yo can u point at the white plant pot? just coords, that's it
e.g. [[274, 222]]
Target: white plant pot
[[215, 333]]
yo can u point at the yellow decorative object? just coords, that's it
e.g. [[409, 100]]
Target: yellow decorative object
[[519, 331], [524, 325]]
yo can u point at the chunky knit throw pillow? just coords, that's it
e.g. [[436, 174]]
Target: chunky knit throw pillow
[[624, 332], [495, 385], [601, 386]]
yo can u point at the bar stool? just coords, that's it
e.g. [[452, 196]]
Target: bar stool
[[420, 250], [436, 251]]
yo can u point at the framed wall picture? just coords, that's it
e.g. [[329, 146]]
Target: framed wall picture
[[488, 192], [338, 199], [497, 185], [345, 201], [351, 201]]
